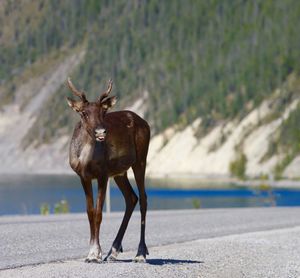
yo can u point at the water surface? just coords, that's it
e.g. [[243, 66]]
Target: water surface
[[26, 194]]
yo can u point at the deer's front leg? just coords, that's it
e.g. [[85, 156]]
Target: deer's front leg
[[95, 251], [102, 185]]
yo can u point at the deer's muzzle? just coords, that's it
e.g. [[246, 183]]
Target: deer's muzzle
[[100, 134]]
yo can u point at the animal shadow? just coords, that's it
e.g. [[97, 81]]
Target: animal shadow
[[165, 261], [171, 261]]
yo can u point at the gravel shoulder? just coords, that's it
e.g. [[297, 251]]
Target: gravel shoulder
[[273, 253]]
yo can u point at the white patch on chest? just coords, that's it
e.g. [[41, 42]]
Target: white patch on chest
[[86, 154]]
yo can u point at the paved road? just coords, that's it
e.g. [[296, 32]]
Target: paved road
[[255, 242]]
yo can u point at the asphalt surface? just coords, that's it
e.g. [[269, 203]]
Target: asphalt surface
[[251, 242]]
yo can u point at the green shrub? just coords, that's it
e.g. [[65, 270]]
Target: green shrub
[[61, 207], [44, 209], [196, 203], [238, 167]]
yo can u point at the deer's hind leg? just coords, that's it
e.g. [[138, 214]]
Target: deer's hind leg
[[139, 174], [130, 200]]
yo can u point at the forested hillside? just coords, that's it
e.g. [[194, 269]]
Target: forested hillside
[[211, 59]]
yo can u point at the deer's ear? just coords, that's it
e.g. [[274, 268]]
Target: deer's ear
[[108, 102], [75, 105]]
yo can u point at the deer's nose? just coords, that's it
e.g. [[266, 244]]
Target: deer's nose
[[100, 134]]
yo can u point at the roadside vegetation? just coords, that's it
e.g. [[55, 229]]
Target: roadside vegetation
[[59, 208]]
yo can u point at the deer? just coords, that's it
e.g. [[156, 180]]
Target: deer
[[105, 145]]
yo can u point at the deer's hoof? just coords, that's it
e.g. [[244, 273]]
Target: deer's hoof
[[113, 254], [93, 260], [139, 259], [95, 255], [111, 259], [141, 254]]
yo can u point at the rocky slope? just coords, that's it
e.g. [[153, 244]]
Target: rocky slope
[[17, 118], [179, 153]]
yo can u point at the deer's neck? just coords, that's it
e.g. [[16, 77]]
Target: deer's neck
[[87, 149]]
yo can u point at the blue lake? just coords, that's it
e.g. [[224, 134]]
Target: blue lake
[[26, 194]]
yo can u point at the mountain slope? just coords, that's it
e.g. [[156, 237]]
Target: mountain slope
[[212, 62]]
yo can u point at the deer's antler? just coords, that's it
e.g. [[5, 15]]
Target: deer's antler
[[107, 92], [76, 92]]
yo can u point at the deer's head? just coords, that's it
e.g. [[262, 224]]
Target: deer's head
[[92, 113]]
